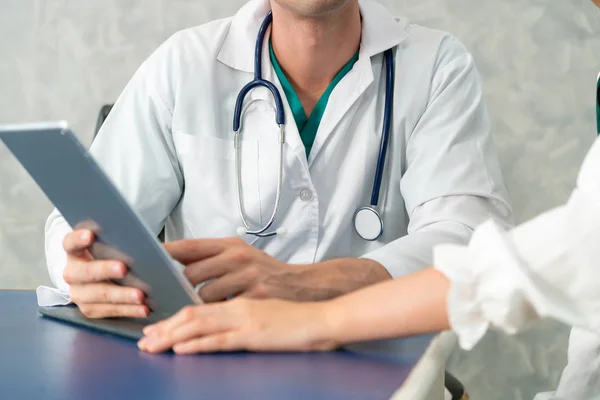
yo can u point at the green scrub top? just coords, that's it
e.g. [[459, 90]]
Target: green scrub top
[[308, 126], [598, 105]]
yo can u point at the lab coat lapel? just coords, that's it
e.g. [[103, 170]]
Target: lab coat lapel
[[380, 31], [292, 135], [344, 95], [237, 52]]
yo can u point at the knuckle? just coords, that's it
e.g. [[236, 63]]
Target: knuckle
[[183, 245], [209, 322], [234, 241], [193, 274], [104, 295], [240, 306], [259, 291], [241, 255], [68, 274], [88, 311], [66, 243], [222, 341], [187, 313], [252, 272], [123, 311], [75, 294], [206, 293]]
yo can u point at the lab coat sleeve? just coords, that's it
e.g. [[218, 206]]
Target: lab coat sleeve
[[452, 180], [135, 149], [545, 268]]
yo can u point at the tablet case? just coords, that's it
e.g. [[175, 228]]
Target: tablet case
[[86, 197]]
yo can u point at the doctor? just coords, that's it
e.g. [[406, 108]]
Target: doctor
[[505, 279], [363, 142]]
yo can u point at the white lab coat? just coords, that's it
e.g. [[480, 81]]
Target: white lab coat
[[168, 146], [546, 267]]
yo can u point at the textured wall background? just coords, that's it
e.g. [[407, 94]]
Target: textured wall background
[[63, 59]]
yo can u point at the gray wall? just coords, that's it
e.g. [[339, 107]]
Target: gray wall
[[63, 59]]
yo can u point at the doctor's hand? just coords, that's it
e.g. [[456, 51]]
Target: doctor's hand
[[235, 268], [89, 282], [243, 324]]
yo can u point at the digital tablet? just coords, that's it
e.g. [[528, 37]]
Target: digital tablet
[[87, 199]]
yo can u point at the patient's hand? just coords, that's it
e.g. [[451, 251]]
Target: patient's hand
[[244, 324], [89, 281]]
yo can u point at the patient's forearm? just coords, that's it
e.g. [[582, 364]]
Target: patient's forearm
[[415, 304]]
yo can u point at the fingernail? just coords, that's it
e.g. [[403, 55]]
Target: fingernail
[[149, 330], [142, 344], [85, 236], [142, 312], [149, 343], [135, 297], [117, 268]]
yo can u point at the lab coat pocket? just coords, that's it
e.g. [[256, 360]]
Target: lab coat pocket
[[209, 202]]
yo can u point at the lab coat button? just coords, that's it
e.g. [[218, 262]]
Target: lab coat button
[[306, 195]]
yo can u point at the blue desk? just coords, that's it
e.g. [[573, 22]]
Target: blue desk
[[45, 359]]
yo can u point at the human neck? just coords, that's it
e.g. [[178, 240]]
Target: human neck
[[311, 51]]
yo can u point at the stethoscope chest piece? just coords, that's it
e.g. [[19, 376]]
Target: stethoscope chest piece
[[368, 223]]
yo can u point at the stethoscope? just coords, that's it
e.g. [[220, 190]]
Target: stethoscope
[[598, 104], [367, 220]]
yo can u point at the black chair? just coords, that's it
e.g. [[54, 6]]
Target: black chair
[[104, 111], [455, 388], [598, 104]]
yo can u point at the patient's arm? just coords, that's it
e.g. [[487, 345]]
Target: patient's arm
[[415, 304], [412, 305], [547, 267]]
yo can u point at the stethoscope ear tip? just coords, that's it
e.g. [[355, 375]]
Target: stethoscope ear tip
[[281, 231], [241, 231]]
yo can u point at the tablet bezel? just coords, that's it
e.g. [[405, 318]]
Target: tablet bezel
[[87, 198]]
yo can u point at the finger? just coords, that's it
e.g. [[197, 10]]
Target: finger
[[235, 258], [77, 242], [106, 293], [185, 315], [228, 285], [212, 315], [198, 327], [95, 311], [192, 250], [79, 272], [202, 271], [220, 342]]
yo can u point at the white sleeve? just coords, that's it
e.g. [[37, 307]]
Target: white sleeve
[[445, 220], [135, 149], [452, 182], [580, 380], [546, 267]]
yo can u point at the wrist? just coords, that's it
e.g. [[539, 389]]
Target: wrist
[[330, 279], [380, 272], [328, 327]]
